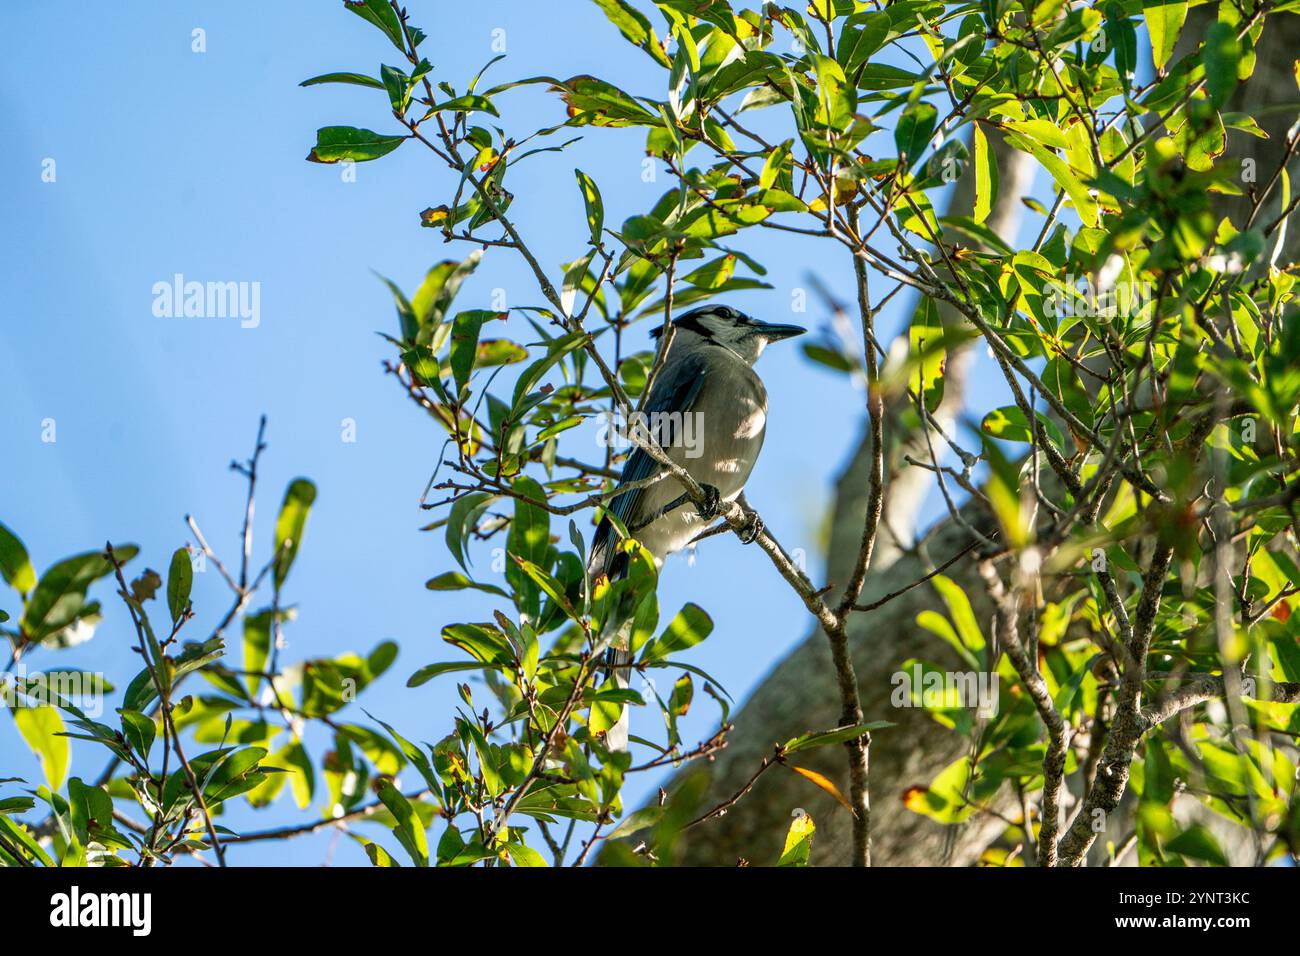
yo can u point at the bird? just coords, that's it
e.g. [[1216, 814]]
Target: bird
[[707, 409]]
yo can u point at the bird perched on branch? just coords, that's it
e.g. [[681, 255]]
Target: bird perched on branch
[[707, 409]]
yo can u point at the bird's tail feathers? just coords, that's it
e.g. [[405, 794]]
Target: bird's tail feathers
[[618, 663]]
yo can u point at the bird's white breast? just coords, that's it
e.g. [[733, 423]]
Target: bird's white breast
[[733, 418]]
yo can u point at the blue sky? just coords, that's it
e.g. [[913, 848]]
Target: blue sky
[[170, 161]]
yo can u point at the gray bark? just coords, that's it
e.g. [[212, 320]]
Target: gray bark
[[800, 695]]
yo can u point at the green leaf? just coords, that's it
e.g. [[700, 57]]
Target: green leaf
[[830, 357], [981, 233], [493, 352], [397, 83], [289, 526], [679, 702], [521, 855], [468, 103], [528, 542], [59, 597], [635, 27], [405, 314], [430, 671], [773, 167], [356, 79], [455, 581], [1009, 424], [381, 14], [595, 102], [1065, 177], [432, 301], [223, 774], [41, 727], [595, 207], [1164, 22], [986, 176], [798, 841], [464, 344], [337, 143], [825, 738], [487, 764], [193, 655], [959, 609], [1198, 843], [636, 822], [464, 515], [1040, 131], [837, 96], [140, 730], [379, 856], [483, 642], [691, 626], [915, 127], [928, 353], [944, 799], [413, 753], [91, 811], [553, 588], [257, 647], [302, 774], [1065, 694], [14, 563], [1221, 56], [556, 350], [19, 836], [1200, 140], [823, 10], [180, 578], [857, 43]]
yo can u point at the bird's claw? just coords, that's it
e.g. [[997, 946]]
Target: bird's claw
[[712, 504], [753, 527]]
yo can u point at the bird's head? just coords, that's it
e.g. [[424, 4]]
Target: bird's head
[[732, 329]]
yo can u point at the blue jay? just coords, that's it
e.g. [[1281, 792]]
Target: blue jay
[[706, 387]]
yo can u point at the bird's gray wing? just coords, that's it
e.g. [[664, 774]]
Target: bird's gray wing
[[677, 390]]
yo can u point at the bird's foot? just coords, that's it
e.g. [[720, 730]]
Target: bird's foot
[[712, 505], [752, 528]]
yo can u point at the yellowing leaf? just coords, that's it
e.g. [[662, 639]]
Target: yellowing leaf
[[986, 176], [825, 783], [798, 841], [1065, 177], [944, 799], [1164, 22], [40, 727]]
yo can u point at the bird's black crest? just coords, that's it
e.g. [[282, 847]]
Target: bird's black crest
[[691, 321]]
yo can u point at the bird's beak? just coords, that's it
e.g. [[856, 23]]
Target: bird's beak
[[775, 333]]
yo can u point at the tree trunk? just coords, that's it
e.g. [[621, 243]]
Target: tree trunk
[[800, 693]]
